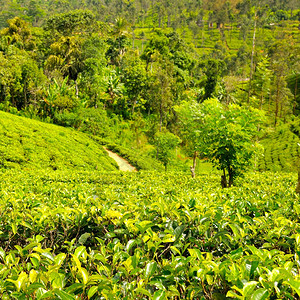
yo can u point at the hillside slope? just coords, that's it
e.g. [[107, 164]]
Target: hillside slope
[[282, 150], [33, 144]]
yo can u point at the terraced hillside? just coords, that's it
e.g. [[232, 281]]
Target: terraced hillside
[[33, 144], [282, 150]]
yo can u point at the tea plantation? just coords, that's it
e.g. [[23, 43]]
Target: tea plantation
[[26, 143], [281, 149], [98, 235]]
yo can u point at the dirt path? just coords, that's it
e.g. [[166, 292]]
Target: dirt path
[[123, 164]]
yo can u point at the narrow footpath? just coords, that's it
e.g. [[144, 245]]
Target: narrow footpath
[[123, 164]]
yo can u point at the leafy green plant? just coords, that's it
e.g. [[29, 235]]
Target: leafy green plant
[[89, 235]]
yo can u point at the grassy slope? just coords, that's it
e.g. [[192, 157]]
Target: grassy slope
[[32, 144], [281, 151]]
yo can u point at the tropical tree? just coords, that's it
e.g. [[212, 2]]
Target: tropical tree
[[261, 82], [66, 57], [21, 81], [213, 69], [283, 54], [134, 77], [118, 41], [67, 23], [160, 84], [93, 68], [18, 33]]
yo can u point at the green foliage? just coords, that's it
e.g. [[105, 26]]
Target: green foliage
[[60, 60], [213, 70], [223, 134], [67, 23], [34, 145], [165, 143], [281, 149], [293, 84], [134, 77], [147, 235]]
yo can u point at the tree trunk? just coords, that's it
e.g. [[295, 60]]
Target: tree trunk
[[277, 103], [76, 88], [261, 100], [252, 57], [298, 185], [223, 180], [133, 39], [295, 93], [25, 94], [230, 176], [160, 117], [193, 167]]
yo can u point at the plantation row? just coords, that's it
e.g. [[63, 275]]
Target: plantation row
[[281, 152], [92, 235]]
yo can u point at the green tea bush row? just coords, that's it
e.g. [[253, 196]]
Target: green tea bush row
[[26, 143], [281, 151]]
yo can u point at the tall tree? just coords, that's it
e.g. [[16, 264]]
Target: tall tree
[[283, 54]]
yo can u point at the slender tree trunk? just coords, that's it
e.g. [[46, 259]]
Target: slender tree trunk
[[25, 94], [224, 180], [277, 103], [76, 88], [230, 176], [13, 101], [133, 39], [261, 100], [193, 167], [133, 107], [160, 117], [252, 57], [298, 185], [295, 93]]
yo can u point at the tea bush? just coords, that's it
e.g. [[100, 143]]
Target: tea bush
[[31, 144], [95, 235]]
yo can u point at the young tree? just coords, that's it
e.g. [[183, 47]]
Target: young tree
[[165, 143], [223, 134], [261, 81], [188, 130], [283, 54]]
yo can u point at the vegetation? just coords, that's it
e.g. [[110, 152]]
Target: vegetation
[[147, 236], [160, 83], [223, 134], [29, 144], [281, 151], [118, 76]]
